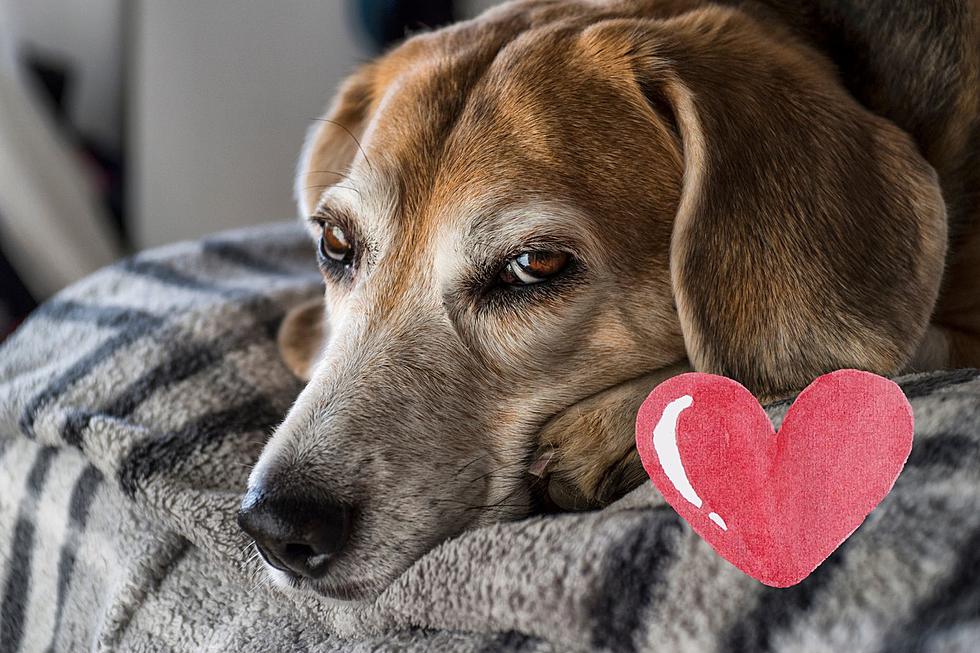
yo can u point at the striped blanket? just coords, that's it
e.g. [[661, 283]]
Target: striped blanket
[[132, 404]]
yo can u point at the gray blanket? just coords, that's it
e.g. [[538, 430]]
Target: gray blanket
[[132, 404]]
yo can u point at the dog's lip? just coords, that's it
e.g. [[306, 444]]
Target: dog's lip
[[342, 592], [348, 592], [277, 564], [352, 591]]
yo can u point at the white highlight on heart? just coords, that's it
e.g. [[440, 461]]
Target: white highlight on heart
[[665, 444]]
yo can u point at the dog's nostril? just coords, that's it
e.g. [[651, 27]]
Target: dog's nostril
[[294, 550], [295, 534]]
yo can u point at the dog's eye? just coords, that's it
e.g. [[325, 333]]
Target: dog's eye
[[334, 244], [533, 267]]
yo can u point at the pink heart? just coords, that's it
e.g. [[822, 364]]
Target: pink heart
[[775, 505]]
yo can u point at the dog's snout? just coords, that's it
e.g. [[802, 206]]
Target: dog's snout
[[295, 534]]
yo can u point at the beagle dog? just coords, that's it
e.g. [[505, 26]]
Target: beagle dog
[[527, 220]]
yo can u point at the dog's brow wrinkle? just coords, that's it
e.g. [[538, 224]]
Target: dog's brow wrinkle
[[534, 225]]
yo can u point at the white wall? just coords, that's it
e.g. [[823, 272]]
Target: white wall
[[222, 92]]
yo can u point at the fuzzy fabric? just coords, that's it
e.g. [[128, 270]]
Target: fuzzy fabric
[[133, 403]]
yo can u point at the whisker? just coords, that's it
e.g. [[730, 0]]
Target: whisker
[[263, 580], [321, 186], [327, 172], [469, 464], [511, 465], [497, 506], [349, 133], [244, 551]]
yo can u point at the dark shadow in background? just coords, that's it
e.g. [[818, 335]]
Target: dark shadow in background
[[386, 22]]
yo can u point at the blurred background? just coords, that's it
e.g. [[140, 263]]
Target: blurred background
[[127, 124]]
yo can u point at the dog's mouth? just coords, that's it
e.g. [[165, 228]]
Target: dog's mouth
[[341, 574], [349, 591], [349, 586]]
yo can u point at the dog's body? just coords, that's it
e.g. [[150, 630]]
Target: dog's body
[[526, 220]]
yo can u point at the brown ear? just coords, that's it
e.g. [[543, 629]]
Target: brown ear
[[810, 234], [332, 141], [301, 337], [332, 144]]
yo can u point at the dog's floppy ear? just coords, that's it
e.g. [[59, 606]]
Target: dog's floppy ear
[[301, 336], [332, 141], [810, 235], [330, 147]]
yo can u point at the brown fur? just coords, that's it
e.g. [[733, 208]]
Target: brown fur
[[739, 198], [301, 337]]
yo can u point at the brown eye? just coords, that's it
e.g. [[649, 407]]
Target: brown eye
[[533, 267], [334, 243]]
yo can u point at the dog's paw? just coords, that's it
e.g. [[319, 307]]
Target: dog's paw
[[588, 455]]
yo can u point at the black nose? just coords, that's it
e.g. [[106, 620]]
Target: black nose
[[295, 534]]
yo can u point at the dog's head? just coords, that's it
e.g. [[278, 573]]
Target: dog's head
[[521, 211]]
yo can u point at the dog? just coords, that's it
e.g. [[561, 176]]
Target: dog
[[527, 220]]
